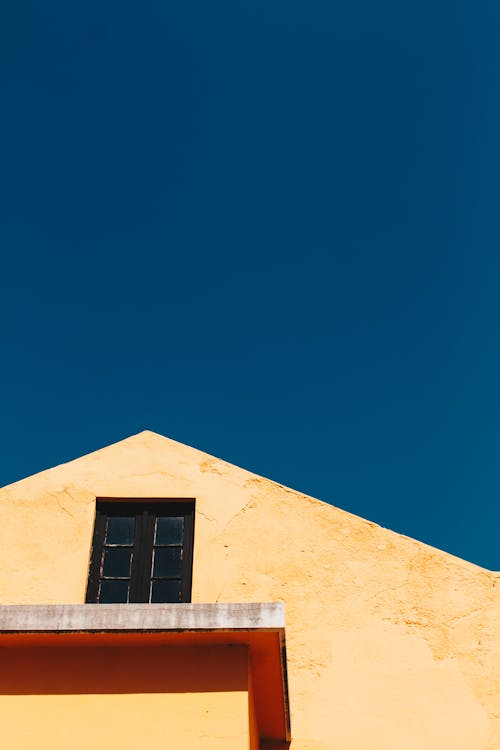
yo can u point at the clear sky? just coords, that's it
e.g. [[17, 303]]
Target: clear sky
[[266, 229]]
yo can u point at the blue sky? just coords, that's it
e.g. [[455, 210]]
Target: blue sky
[[268, 230]]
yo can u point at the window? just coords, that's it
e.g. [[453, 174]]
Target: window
[[142, 552]]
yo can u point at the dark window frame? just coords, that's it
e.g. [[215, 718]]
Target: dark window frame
[[145, 511]]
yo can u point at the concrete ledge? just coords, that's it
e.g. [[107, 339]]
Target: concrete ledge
[[260, 627], [64, 618]]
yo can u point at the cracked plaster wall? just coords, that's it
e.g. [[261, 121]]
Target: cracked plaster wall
[[392, 645]]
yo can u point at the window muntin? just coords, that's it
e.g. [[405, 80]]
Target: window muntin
[[142, 552]]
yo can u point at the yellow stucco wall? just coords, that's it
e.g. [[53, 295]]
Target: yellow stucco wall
[[64, 697], [392, 645]]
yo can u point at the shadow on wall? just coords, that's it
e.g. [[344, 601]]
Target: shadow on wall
[[69, 670]]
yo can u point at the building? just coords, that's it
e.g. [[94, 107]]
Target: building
[[300, 612]]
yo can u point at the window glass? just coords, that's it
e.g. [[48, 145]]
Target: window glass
[[165, 591], [120, 530], [114, 592], [117, 562], [142, 551], [169, 530], [167, 562]]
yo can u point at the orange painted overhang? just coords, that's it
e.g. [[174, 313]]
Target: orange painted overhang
[[260, 627]]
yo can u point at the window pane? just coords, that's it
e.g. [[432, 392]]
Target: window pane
[[167, 562], [169, 530], [116, 562], [120, 530], [165, 591], [114, 592]]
